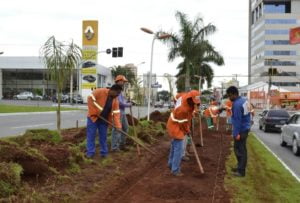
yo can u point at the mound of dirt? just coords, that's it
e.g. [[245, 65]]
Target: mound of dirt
[[31, 160], [58, 156], [129, 119], [158, 116], [74, 135]]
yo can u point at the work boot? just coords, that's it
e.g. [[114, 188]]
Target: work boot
[[179, 174], [238, 174], [185, 158]]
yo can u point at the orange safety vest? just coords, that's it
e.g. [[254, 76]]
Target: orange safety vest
[[179, 121], [96, 102], [228, 107]]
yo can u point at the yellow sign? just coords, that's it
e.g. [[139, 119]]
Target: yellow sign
[[88, 85], [89, 54], [89, 71], [90, 33]]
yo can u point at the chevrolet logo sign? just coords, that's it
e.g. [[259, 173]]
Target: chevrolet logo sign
[[89, 32]]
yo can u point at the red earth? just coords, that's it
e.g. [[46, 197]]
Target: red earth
[[149, 178], [127, 177]]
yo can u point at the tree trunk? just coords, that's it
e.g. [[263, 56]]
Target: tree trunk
[[58, 110], [187, 78]]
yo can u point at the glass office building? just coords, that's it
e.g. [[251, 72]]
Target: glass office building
[[269, 25]]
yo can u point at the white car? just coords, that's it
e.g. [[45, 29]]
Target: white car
[[290, 133], [24, 95]]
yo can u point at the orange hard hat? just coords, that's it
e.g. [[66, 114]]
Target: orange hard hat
[[195, 95], [121, 77]]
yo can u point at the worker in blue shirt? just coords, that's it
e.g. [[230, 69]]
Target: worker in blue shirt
[[118, 140], [241, 123]]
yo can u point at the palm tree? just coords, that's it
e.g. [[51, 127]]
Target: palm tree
[[191, 44], [122, 70], [60, 60]]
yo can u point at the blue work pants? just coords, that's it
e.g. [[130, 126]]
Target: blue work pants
[[175, 155], [91, 129]]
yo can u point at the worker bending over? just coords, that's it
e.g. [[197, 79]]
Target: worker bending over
[[179, 125]]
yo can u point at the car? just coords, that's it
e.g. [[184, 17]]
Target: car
[[88, 64], [76, 99], [166, 105], [64, 98], [273, 119], [24, 96], [89, 78], [290, 134], [158, 105], [37, 97]]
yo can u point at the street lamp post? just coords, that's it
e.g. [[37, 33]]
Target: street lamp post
[[157, 35], [271, 60]]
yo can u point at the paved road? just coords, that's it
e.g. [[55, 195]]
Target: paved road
[[18, 123], [272, 140]]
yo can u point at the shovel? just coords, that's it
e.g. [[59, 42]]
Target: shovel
[[195, 150], [134, 131]]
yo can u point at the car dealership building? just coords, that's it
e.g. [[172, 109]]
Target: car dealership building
[[18, 74]]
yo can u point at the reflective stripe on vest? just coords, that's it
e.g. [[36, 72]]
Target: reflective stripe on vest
[[116, 111], [178, 121], [95, 103], [211, 113]]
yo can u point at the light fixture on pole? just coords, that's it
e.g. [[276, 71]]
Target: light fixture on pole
[[157, 35]]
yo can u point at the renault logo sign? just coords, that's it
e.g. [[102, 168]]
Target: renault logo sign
[[89, 32]]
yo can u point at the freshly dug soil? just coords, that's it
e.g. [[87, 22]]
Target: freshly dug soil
[[157, 116], [149, 180], [74, 135], [129, 119]]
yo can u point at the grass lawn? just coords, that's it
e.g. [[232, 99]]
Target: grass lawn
[[266, 179], [4, 108]]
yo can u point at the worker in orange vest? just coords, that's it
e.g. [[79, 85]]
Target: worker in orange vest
[[228, 108], [179, 125], [186, 140], [211, 114], [103, 102]]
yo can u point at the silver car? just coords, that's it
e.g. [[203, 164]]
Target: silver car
[[290, 133]]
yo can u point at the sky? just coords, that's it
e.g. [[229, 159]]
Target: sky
[[26, 25]]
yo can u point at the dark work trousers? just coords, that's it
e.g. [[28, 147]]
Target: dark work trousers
[[240, 150]]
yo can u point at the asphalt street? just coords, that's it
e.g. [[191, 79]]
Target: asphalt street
[[272, 140], [12, 124]]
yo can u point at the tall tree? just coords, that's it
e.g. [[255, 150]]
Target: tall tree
[[191, 44], [121, 70], [170, 80], [60, 60]]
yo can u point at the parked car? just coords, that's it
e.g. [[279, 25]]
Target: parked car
[[64, 98], [77, 98], [290, 133], [24, 95], [273, 119], [37, 97], [166, 105], [158, 105]]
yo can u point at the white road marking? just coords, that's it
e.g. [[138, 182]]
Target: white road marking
[[32, 126], [284, 165]]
